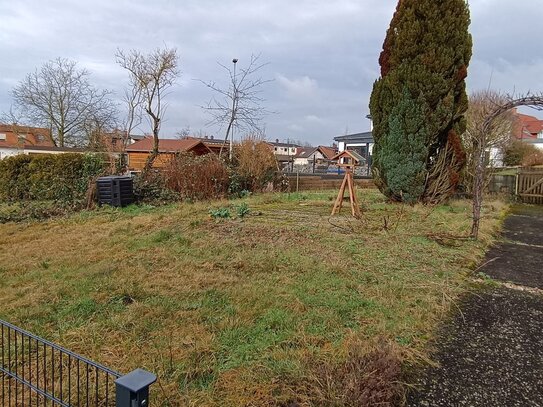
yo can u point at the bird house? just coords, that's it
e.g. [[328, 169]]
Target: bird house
[[348, 159]]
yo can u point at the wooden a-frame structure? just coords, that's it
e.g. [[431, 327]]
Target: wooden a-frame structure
[[348, 160]]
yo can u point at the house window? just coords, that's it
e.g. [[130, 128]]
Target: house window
[[22, 136], [2, 136], [275, 149], [539, 135]]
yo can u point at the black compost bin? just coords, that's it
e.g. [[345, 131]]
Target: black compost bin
[[115, 190]]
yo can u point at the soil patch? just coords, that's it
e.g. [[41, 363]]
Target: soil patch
[[491, 354]]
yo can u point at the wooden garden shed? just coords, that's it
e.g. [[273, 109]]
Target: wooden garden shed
[[167, 148]]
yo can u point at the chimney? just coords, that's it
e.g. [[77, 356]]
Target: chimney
[[212, 137], [205, 137], [277, 140]]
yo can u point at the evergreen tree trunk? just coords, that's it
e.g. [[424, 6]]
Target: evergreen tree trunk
[[419, 101]]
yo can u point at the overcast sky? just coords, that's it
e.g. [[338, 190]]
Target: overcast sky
[[322, 54]]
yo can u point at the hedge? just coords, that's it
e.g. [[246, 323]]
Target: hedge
[[58, 177]]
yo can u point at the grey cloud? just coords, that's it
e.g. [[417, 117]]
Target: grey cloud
[[322, 54]]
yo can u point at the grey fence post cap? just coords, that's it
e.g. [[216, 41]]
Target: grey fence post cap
[[136, 380]]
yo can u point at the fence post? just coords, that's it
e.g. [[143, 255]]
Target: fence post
[[132, 390]]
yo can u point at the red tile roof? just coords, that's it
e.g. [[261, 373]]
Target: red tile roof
[[527, 126], [164, 145], [34, 136], [328, 152]]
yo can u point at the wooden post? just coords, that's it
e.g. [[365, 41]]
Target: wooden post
[[349, 182]]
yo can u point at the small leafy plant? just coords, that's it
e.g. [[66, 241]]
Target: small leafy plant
[[220, 213], [243, 210]]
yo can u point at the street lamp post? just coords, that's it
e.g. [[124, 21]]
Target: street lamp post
[[234, 100]]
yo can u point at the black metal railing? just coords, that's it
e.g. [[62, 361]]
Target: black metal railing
[[36, 372]]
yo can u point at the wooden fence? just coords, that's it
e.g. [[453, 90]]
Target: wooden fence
[[530, 185], [317, 183]]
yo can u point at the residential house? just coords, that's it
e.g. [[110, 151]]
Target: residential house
[[167, 148], [362, 143], [17, 139], [284, 152], [113, 142], [314, 155], [528, 129]]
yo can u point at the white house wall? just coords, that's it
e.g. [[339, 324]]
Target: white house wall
[[8, 152], [344, 146]]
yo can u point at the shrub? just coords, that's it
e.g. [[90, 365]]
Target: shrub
[[54, 177], [521, 153], [424, 64], [534, 157], [150, 187], [197, 177], [253, 166], [32, 210]]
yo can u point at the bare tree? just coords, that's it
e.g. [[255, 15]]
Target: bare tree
[[151, 76], [133, 101], [481, 104], [238, 107], [183, 133], [487, 127], [60, 97], [99, 127]]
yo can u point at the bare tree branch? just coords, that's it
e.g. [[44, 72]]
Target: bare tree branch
[[59, 96], [239, 107], [151, 76], [481, 104], [534, 101]]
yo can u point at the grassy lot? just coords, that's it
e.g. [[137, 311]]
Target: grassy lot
[[283, 307]]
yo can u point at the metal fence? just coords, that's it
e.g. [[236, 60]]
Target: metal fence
[[36, 372]]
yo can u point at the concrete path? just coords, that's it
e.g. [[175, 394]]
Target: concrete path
[[492, 353]]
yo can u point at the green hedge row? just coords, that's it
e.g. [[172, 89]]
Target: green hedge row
[[59, 177]]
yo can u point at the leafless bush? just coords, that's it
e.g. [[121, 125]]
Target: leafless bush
[[197, 177], [534, 157], [254, 164]]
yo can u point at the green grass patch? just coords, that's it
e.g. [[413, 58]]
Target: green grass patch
[[249, 310]]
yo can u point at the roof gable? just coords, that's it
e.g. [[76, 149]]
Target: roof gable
[[351, 154]]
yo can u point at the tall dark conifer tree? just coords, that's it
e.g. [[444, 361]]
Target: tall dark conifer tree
[[418, 103]]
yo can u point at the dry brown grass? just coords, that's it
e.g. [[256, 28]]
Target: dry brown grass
[[279, 308]]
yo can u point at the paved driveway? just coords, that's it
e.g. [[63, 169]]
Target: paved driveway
[[491, 354]]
